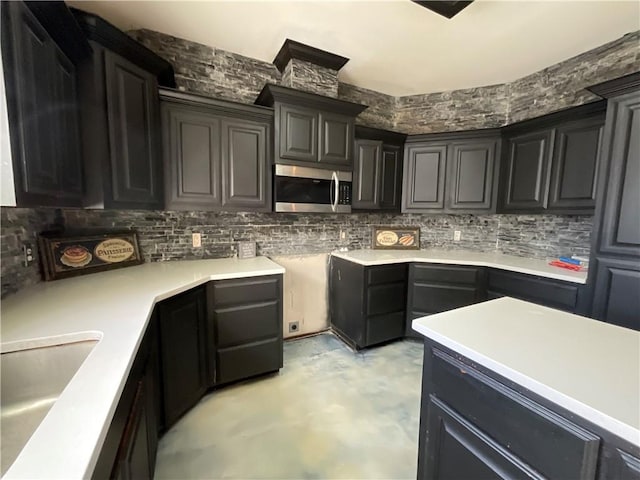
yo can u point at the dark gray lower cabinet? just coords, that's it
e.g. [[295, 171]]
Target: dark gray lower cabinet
[[367, 304], [543, 291], [130, 447], [438, 288], [476, 424], [183, 352], [245, 325]]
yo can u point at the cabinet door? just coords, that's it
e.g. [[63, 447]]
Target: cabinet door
[[245, 172], [424, 174], [134, 134], [470, 175], [132, 462], [456, 449], [298, 133], [391, 178], [191, 159], [617, 292], [526, 174], [183, 352], [575, 165], [42, 108], [366, 174], [336, 140], [66, 130], [620, 226]]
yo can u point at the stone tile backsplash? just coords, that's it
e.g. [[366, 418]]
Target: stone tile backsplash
[[166, 236]]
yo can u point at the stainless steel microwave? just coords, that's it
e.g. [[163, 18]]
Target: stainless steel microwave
[[305, 189]]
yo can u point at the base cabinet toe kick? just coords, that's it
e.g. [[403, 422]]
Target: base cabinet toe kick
[[476, 424]]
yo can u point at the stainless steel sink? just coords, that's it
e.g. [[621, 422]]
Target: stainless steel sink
[[32, 380]]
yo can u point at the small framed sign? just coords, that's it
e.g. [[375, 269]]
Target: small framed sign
[[396, 238], [69, 256], [246, 249]]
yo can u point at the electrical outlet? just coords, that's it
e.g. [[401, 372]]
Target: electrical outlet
[[27, 250], [196, 240], [294, 327], [457, 235]]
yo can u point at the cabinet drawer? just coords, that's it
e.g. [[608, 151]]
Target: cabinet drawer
[[244, 291], [386, 298], [386, 274], [247, 323], [445, 274], [245, 361], [556, 294], [382, 328], [533, 433], [440, 298]]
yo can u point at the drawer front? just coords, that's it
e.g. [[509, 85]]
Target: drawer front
[[245, 290], [532, 432], [386, 274], [382, 328], [556, 294], [386, 298], [440, 298], [245, 361], [247, 323], [445, 274]]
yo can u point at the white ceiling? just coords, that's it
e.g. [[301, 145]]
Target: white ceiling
[[395, 46]]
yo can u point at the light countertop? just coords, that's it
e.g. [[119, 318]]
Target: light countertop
[[512, 263], [112, 307], [588, 367]]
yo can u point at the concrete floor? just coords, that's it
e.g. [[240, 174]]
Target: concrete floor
[[330, 413]]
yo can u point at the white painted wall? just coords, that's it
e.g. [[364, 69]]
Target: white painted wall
[[7, 188], [306, 294]]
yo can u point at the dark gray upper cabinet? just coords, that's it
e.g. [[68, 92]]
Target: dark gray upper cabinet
[[377, 169], [424, 175], [311, 130], [615, 250], [550, 163], [42, 102], [451, 172], [244, 165], [391, 178], [575, 164], [336, 139], [366, 174], [298, 133], [121, 118], [217, 154], [134, 137], [471, 175], [527, 170], [191, 148]]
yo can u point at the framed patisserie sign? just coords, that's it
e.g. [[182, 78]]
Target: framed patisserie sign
[[68, 256], [396, 238]]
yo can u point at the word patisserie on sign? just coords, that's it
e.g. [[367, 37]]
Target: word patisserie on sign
[[396, 238], [68, 256]]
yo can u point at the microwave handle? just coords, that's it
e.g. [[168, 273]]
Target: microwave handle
[[336, 190]]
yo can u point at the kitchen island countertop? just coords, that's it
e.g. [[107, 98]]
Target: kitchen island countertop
[[531, 266], [114, 308], [586, 366]]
